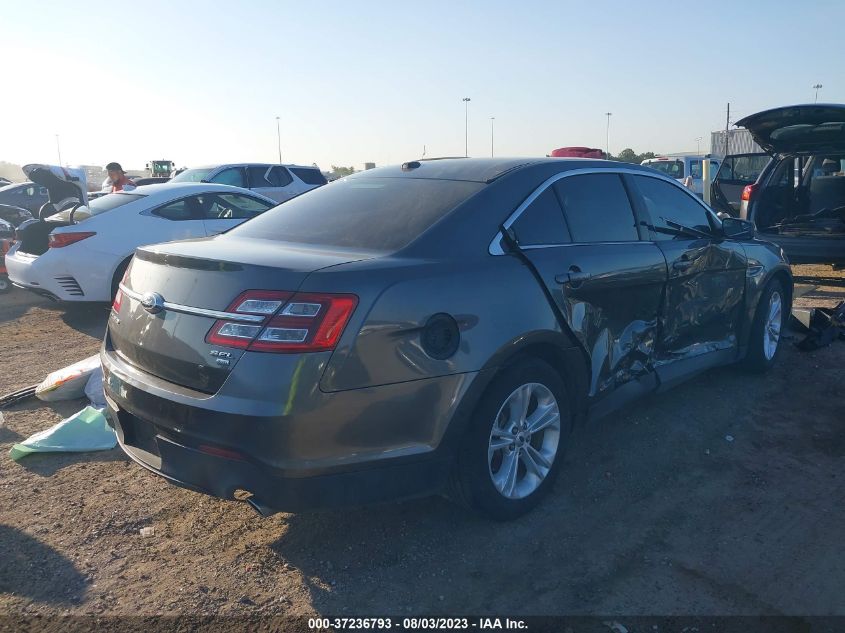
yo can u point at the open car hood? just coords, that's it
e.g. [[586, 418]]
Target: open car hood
[[62, 183], [800, 129]]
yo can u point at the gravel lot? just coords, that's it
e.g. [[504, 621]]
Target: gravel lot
[[723, 496]]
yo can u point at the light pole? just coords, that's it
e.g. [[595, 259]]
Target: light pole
[[492, 118], [607, 135], [58, 150], [698, 141], [466, 101], [279, 139], [817, 86]]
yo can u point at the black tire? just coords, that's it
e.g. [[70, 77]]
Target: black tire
[[5, 285], [758, 360], [118, 275], [472, 482]]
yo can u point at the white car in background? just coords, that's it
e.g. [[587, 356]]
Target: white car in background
[[81, 253], [684, 168], [279, 182]]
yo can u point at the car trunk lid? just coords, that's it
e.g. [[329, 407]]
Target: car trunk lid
[[800, 129], [63, 184], [195, 284], [66, 188]]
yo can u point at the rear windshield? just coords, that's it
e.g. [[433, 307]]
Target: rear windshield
[[378, 214], [672, 168], [96, 207], [309, 176], [193, 175]]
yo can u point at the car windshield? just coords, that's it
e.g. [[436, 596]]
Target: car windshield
[[96, 207], [672, 168], [193, 175], [375, 214]]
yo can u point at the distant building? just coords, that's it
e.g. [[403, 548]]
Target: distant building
[[739, 142], [369, 166]]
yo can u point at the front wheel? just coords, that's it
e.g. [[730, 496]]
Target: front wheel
[[765, 337], [512, 451]]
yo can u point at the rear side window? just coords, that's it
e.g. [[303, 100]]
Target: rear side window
[[279, 177], [541, 222], [179, 210], [664, 201], [231, 176], [309, 176], [597, 208], [378, 214], [231, 206], [267, 176]]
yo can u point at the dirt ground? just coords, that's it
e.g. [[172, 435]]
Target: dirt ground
[[723, 496]]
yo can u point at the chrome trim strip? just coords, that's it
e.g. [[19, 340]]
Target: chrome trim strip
[[183, 309], [495, 247]]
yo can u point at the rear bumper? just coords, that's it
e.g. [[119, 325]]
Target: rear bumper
[[37, 275], [809, 249], [339, 449], [271, 491]]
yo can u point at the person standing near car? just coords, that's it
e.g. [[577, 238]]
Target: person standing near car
[[118, 178]]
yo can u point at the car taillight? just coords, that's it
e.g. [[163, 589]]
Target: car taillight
[[307, 323], [60, 240], [262, 303], [118, 299], [118, 296], [303, 322], [748, 192]]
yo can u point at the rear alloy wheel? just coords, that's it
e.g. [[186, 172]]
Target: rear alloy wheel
[[512, 451], [765, 337], [524, 441]]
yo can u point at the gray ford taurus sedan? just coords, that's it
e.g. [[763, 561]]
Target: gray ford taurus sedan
[[435, 326]]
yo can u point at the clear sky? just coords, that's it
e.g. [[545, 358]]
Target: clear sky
[[202, 82]]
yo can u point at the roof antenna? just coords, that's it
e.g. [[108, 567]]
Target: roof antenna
[[423, 154]]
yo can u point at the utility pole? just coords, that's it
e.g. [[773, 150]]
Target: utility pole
[[59, 150], [817, 86], [727, 126], [466, 101], [492, 118], [698, 143], [607, 135], [279, 139]]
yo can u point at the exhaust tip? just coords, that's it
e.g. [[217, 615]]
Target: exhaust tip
[[248, 497], [260, 508]]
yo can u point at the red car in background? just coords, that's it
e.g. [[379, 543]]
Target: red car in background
[[577, 152]]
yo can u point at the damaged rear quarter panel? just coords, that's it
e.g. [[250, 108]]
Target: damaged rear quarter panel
[[495, 301]]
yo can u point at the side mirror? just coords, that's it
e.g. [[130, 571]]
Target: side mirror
[[737, 229], [723, 216]]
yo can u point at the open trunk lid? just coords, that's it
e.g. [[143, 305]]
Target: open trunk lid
[[175, 293], [799, 129], [66, 188], [65, 185]]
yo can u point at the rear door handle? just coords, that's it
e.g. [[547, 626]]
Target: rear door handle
[[575, 277], [682, 264]]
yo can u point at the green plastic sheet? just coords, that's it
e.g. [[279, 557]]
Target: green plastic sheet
[[81, 432]]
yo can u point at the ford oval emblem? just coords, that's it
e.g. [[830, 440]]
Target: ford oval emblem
[[152, 302]]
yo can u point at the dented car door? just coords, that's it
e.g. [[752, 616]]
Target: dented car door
[[706, 280], [606, 281]]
